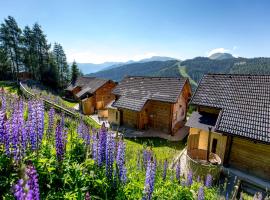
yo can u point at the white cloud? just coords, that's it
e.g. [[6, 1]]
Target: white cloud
[[218, 50], [223, 50], [88, 56]]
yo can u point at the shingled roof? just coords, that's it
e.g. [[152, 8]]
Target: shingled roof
[[87, 84], [243, 100], [134, 91]]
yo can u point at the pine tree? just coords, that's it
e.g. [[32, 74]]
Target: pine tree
[[75, 73], [10, 39]]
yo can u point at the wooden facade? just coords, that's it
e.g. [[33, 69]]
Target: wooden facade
[[157, 115], [98, 100], [237, 152], [249, 156]]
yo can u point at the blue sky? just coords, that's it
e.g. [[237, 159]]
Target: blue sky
[[121, 30]]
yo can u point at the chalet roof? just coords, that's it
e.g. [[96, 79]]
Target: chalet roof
[[87, 84], [134, 91], [244, 101], [202, 120]]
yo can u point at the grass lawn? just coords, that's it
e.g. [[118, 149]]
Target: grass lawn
[[69, 103], [9, 86], [162, 148]]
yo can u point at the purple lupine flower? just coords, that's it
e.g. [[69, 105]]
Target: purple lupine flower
[[208, 181], [178, 171], [7, 137], [27, 188], [110, 148], [258, 196], [149, 180], [120, 160], [87, 196], [3, 102], [22, 190], [60, 141], [227, 196], [189, 178], [33, 181], [198, 179], [94, 147], [40, 121], [2, 126], [201, 193], [51, 121], [165, 170], [31, 124], [147, 154], [102, 141]]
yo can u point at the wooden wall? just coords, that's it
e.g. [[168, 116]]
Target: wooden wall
[[130, 118], [251, 157], [203, 141], [179, 111], [104, 95], [159, 115], [88, 106], [113, 117]]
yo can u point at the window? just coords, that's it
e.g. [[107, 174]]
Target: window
[[214, 146], [116, 115]]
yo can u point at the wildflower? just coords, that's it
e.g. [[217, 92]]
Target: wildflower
[[102, 141], [51, 114], [110, 146], [60, 140], [258, 196], [189, 178], [33, 181], [208, 181], [149, 180], [165, 170], [94, 147], [147, 154], [178, 170], [27, 188], [201, 193], [120, 160], [87, 196]]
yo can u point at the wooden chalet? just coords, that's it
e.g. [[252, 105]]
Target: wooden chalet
[[231, 124], [151, 103], [93, 94]]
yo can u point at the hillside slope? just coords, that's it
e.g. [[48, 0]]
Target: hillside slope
[[154, 68]]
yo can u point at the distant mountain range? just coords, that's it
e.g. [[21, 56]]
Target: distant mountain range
[[88, 68], [191, 68]]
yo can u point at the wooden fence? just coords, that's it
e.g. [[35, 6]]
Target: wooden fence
[[47, 103]]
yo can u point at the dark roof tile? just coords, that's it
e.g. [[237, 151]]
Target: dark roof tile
[[134, 91], [244, 101]]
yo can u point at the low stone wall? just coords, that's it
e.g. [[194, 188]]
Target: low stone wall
[[202, 169]]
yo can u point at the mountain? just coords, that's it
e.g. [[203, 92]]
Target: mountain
[[152, 68], [193, 69], [220, 56], [88, 68]]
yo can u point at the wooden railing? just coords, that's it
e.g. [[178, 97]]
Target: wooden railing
[[47, 103]]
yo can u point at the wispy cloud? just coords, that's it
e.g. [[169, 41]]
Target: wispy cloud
[[218, 50], [223, 50]]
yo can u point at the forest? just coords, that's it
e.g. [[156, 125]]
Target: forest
[[27, 50]]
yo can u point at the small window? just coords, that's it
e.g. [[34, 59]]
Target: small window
[[214, 146], [116, 116]]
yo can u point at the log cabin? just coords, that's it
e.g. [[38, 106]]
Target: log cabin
[[231, 124], [158, 103], [93, 94]]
